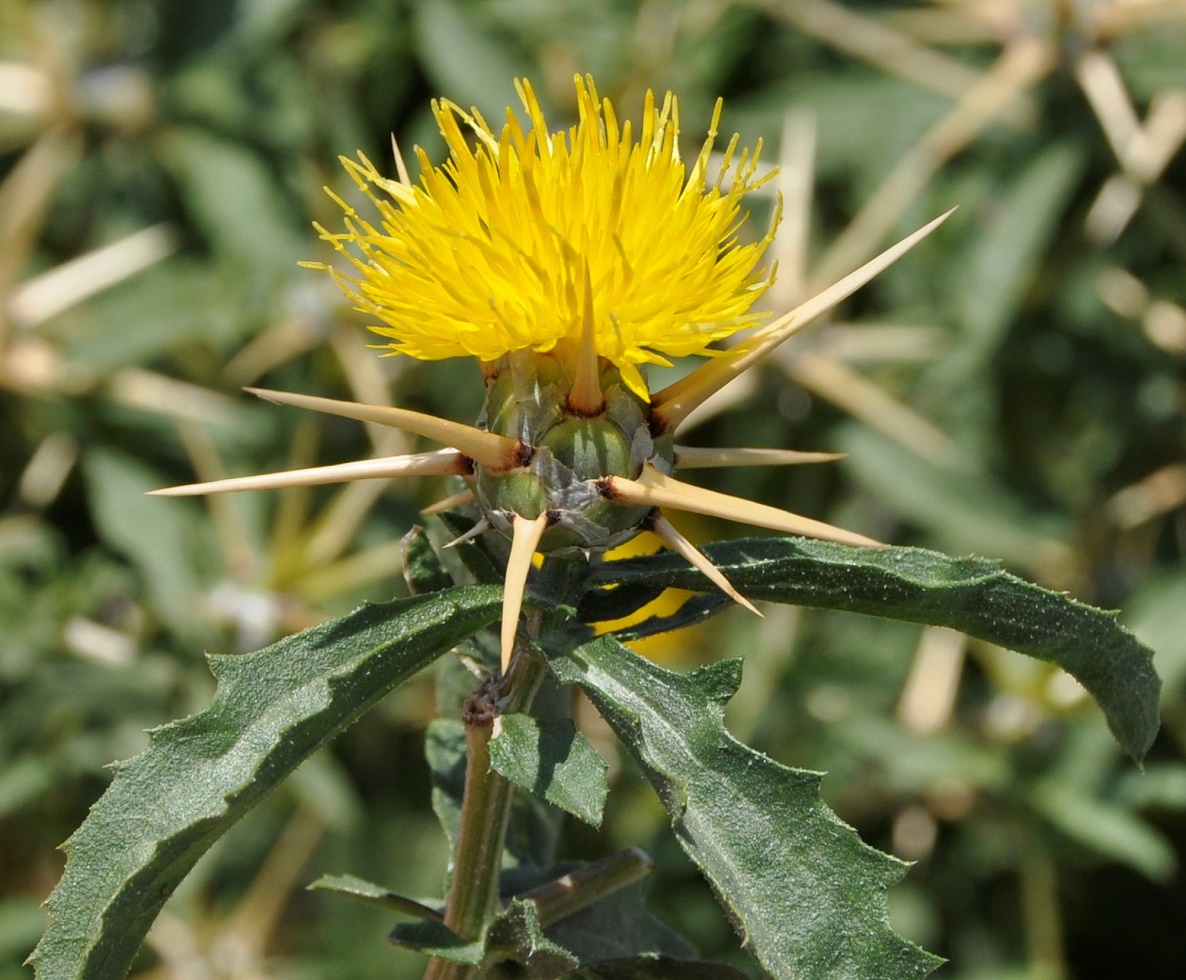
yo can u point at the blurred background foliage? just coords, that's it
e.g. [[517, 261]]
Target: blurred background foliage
[[1014, 388]]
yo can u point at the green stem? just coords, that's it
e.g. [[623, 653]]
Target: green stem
[[485, 812], [581, 888], [1040, 908]]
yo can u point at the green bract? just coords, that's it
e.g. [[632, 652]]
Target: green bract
[[565, 455]]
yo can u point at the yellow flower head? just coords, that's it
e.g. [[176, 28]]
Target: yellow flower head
[[591, 253], [503, 247]]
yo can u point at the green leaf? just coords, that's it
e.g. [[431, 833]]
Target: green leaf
[[423, 571], [444, 751], [472, 557], [271, 710], [349, 886], [551, 759], [969, 594], [617, 928], [532, 829], [597, 910], [695, 609], [517, 933], [161, 540], [807, 895], [1106, 829], [608, 604], [434, 938], [1011, 239]]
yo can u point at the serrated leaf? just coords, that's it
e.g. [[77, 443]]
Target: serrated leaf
[[349, 886], [597, 910], [271, 710], [807, 895], [551, 759], [517, 933], [969, 594]]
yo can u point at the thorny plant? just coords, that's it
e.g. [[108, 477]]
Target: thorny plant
[[565, 263]]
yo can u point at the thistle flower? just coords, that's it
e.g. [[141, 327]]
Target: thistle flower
[[565, 263]]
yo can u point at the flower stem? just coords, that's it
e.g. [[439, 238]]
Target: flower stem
[[485, 812]]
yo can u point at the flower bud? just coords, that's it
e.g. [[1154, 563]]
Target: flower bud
[[565, 456]]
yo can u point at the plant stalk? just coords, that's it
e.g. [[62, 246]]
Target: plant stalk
[[581, 888], [485, 812]]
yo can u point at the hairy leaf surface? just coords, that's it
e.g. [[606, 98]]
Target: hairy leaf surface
[[552, 760], [969, 594], [806, 893], [271, 710]]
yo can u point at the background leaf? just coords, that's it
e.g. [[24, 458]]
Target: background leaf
[[271, 710]]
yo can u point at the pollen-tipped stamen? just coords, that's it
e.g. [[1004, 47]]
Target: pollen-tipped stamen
[[525, 537], [655, 489], [674, 403], [586, 397], [703, 457], [664, 531], [443, 462], [487, 448]]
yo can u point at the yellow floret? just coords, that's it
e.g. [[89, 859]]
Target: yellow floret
[[488, 254]]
